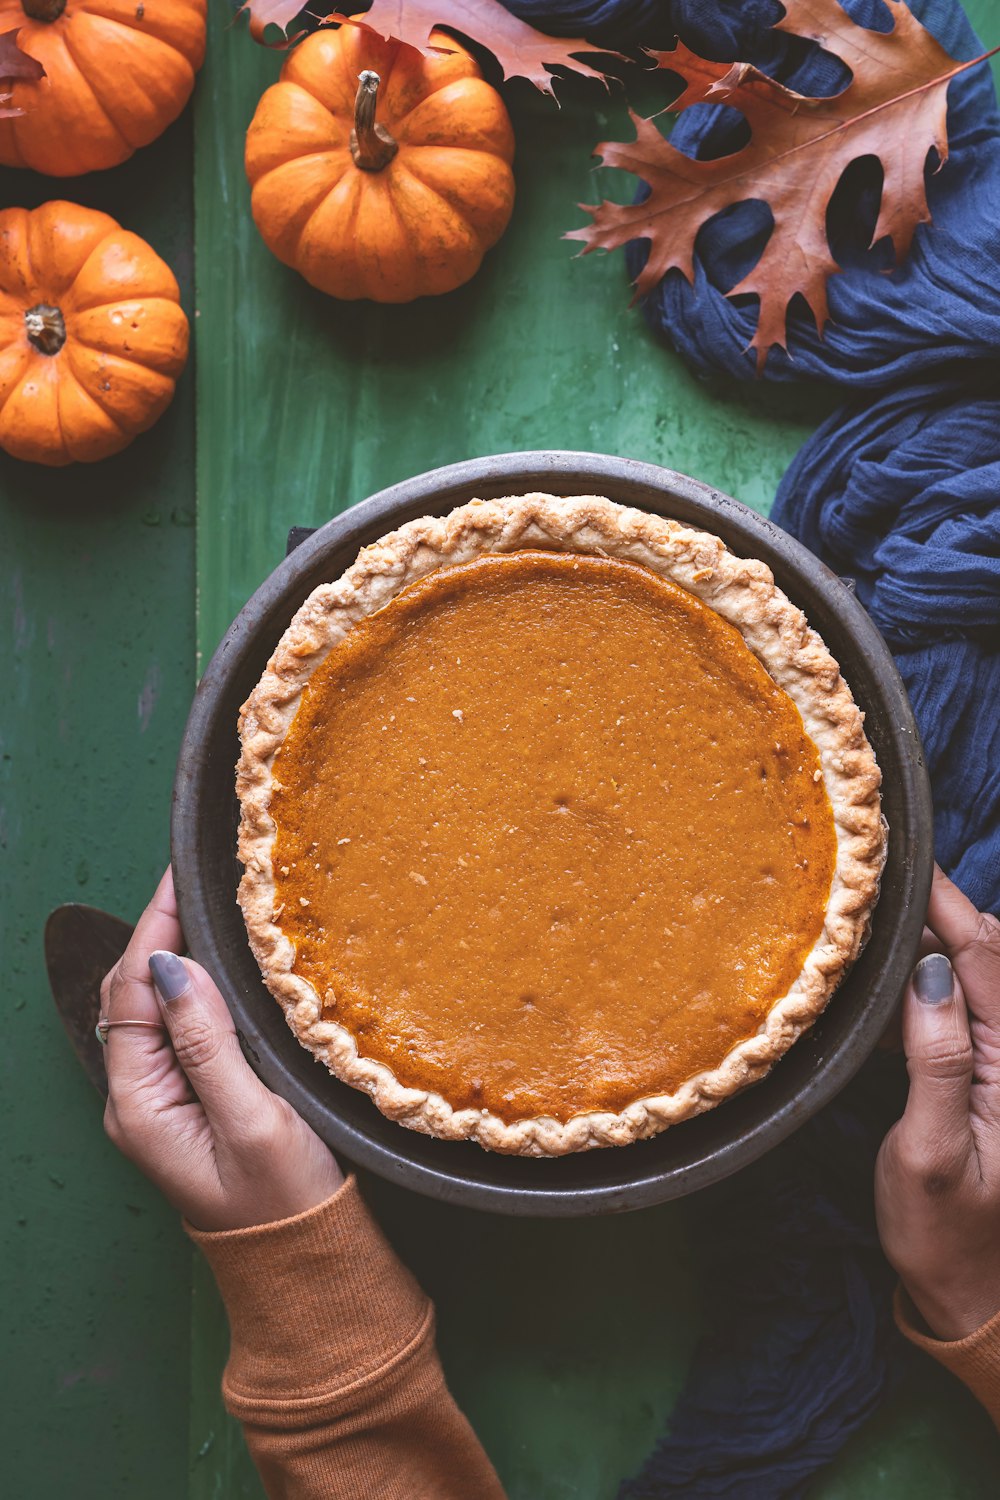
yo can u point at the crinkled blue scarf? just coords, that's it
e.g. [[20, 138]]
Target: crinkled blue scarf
[[901, 490]]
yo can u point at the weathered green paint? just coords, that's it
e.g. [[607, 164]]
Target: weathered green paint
[[566, 1343], [96, 671]]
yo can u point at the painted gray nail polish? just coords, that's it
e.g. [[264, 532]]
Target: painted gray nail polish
[[169, 975], [933, 979]]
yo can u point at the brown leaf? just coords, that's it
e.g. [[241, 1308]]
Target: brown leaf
[[520, 50], [14, 64], [265, 13], [893, 108], [699, 74]]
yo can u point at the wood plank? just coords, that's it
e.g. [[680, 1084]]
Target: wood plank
[[96, 675]]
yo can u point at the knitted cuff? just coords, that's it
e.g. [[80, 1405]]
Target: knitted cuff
[[315, 1303], [974, 1359]]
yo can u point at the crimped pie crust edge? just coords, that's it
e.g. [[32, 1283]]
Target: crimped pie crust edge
[[743, 592]]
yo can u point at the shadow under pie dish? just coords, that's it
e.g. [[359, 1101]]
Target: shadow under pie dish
[[559, 824]]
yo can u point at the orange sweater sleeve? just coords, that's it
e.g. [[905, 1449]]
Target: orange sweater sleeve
[[974, 1359], [332, 1366]]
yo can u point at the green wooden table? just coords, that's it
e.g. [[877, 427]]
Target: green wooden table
[[565, 1342]]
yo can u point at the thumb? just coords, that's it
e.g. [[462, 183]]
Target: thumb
[[204, 1040], [940, 1060]]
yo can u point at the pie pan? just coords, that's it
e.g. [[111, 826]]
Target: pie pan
[[686, 1156]]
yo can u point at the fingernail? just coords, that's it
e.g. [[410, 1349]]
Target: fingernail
[[933, 979], [169, 974]]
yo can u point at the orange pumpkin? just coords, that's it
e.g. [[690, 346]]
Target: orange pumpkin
[[92, 335], [390, 192], [117, 72]]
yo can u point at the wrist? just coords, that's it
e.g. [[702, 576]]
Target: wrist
[[293, 1194], [262, 1205], [315, 1302], [950, 1314]]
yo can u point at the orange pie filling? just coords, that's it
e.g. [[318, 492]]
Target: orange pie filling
[[549, 837]]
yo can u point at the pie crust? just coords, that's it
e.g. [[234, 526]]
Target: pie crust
[[742, 591]]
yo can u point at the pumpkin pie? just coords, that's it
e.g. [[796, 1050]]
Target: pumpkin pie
[[559, 824]]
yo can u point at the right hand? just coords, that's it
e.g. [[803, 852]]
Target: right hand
[[184, 1104], [937, 1181]]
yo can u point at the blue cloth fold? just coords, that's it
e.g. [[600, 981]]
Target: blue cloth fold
[[901, 490], [623, 24], [903, 493]]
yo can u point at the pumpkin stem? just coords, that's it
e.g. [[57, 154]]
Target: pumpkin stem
[[371, 145], [43, 10], [46, 328]]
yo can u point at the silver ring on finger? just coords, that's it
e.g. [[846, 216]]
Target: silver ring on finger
[[104, 1026]]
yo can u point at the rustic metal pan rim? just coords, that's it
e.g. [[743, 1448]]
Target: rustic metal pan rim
[[688, 1156]]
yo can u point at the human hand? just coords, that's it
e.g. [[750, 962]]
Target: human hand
[[937, 1180], [183, 1102]]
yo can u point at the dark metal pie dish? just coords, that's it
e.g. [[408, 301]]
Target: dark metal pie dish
[[687, 1156]]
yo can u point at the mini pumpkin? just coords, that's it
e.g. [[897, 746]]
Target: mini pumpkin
[[389, 190], [92, 334], [117, 72]]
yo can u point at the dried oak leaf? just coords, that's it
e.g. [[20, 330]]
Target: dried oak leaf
[[14, 64], [520, 50], [894, 108], [279, 13]]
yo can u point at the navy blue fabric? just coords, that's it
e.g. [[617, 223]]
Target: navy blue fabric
[[902, 491], [623, 24], [802, 1345]]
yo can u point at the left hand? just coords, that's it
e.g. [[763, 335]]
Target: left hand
[[937, 1180], [183, 1102]]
